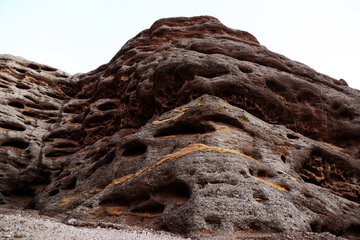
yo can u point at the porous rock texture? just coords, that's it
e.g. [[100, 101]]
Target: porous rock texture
[[191, 127]]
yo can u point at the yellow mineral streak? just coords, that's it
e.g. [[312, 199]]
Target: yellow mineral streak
[[273, 185], [197, 147], [97, 190], [330, 145], [292, 178], [67, 200], [120, 180], [180, 112]]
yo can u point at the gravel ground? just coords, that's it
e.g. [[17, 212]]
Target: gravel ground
[[20, 224], [29, 225]]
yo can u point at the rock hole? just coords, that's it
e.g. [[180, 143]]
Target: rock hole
[[22, 86], [283, 158], [308, 95], [316, 152], [12, 126], [33, 66], [352, 232], [275, 86], [107, 106], [125, 202], [259, 195], [245, 69], [16, 104], [48, 69], [21, 70], [69, 183], [255, 153], [31, 98], [213, 220], [177, 192], [59, 153], [292, 136], [346, 115], [32, 114], [3, 86], [134, 148], [214, 73], [255, 226], [336, 105], [182, 128], [17, 143], [264, 173], [150, 207], [315, 226], [64, 145], [53, 192], [20, 165], [32, 105], [55, 95], [97, 120]]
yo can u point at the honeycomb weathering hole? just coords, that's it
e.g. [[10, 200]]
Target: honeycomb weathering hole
[[54, 192], [150, 207], [12, 126], [17, 143], [292, 136], [134, 148], [16, 104], [22, 86], [184, 129], [107, 106], [177, 192]]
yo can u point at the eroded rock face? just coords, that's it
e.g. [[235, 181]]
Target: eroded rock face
[[191, 127], [31, 96]]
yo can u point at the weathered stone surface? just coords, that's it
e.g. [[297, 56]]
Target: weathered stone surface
[[31, 96], [191, 127]]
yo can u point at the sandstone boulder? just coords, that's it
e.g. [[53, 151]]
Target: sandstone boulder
[[191, 127]]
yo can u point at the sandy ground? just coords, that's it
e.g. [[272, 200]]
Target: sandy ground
[[16, 224]]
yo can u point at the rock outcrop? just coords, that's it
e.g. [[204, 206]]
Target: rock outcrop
[[191, 127]]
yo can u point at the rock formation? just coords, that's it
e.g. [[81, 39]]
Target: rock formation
[[191, 127]]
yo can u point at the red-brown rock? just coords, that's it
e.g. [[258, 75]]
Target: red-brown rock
[[191, 127]]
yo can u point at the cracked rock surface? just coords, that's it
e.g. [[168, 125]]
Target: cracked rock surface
[[192, 127]]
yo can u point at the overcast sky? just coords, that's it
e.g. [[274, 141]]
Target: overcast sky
[[79, 35]]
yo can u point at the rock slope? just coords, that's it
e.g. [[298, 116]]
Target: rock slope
[[191, 127]]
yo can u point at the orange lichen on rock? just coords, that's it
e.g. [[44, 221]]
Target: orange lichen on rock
[[273, 185], [67, 200]]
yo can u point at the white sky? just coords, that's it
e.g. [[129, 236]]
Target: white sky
[[80, 35]]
